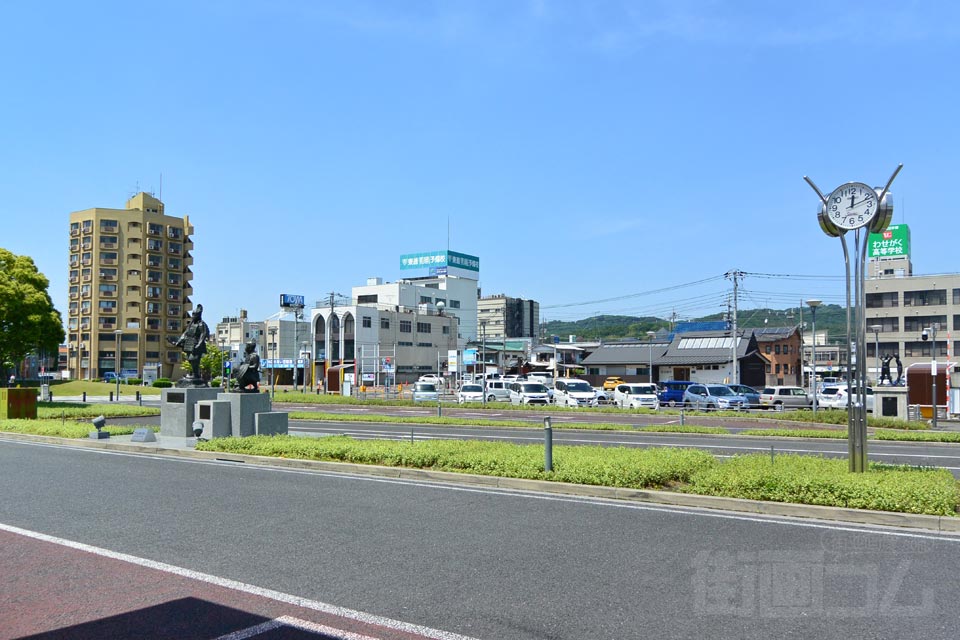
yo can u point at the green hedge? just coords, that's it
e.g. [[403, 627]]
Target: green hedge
[[821, 481], [619, 467], [78, 410], [162, 383], [796, 433], [63, 428]]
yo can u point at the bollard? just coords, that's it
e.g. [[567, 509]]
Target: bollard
[[547, 444], [681, 417], [439, 412], [84, 396], [771, 454], [138, 396], [111, 396]]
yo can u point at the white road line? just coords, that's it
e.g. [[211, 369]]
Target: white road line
[[605, 502], [360, 616], [293, 623]]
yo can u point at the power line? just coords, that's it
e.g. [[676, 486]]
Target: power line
[[632, 295]]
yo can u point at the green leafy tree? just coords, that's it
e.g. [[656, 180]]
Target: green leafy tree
[[211, 364], [28, 320]]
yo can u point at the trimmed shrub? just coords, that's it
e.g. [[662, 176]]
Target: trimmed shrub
[[162, 383]]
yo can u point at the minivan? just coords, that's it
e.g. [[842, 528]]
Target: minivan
[[572, 392], [497, 391], [528, 393], [671, 392]]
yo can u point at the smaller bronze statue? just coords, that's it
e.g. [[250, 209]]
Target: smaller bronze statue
[[899, 371], [193, 342], [248, 373], [885, 369]]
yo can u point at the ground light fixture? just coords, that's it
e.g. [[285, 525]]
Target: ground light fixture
[[99, 422]]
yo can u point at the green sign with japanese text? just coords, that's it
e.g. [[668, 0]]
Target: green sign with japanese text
[[894, 242]]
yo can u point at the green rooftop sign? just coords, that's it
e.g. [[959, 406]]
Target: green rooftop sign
[[439, 259], [892, 243]]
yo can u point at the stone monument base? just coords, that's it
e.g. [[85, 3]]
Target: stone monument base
[[177, 409]]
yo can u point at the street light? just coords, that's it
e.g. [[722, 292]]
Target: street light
[[931, 333], [273, 363], [483, 356], [303, 354], [116, 360], [876, 348], [650, 335], [223, 371], [813, 304]]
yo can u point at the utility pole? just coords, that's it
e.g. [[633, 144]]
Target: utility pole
[[735, 274]]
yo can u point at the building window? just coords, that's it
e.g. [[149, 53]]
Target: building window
[[768, 368], [367, 299], [956, 296], [154, 245], [384, 323], [406, 326], [768, 349], [926, 298], [778, 369], [367, 322], [880, 300], [423, 327], [425, 299], [776, 350], [454, 304], [446, 330]]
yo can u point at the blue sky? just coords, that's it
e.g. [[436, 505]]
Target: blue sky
[[595, 155]]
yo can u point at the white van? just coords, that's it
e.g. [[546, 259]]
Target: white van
[[573, 392], [528, 393], [497, 391]]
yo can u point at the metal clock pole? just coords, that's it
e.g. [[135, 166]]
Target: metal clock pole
[[867, 211]]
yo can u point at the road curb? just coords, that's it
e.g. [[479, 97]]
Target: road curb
[[938, 524]]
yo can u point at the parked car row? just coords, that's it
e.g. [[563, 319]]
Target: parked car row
[[573, 392]]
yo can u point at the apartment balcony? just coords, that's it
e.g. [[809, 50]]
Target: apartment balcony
[[87, 278], [108, 261], [108, 245], [151, 280], [86, 228], [174, 233], [109, 228], [87, 246], [174, 251], [88, 262], [153, 231], [74, 279], [174, 297], [75, 232], [108, 294], [74, 296], [107, 277]]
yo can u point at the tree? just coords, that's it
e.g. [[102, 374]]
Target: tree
[[28, 319], [211, 364]]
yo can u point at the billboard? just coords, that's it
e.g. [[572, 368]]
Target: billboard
[[288, 301], [439, 260], [894, 242]]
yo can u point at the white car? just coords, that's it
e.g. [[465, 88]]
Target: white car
[[497, 391], [432, 378], [572, 392], [470, 393], [528, 393], [838, 397], [636, 396]]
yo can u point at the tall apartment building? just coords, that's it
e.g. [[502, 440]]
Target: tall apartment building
[[503, 317], [129, 288]]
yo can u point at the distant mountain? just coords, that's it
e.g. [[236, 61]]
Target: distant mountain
[[831, 318]]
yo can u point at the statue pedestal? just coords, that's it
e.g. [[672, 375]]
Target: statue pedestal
[[177, 409], [243, 410]]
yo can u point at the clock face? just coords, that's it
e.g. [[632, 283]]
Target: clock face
[[852, 205]]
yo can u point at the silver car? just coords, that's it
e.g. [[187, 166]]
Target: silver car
[[425, 392], [785, 398], [712, 396]]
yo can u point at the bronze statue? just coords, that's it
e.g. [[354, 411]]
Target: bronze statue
[[193, 342], [248, 373]]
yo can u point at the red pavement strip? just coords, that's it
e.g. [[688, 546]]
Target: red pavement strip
[[53, 588]]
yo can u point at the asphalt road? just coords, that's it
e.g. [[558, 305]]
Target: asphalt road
[[484, 563]]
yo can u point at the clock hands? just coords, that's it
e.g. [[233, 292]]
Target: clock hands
[[854, 204]]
